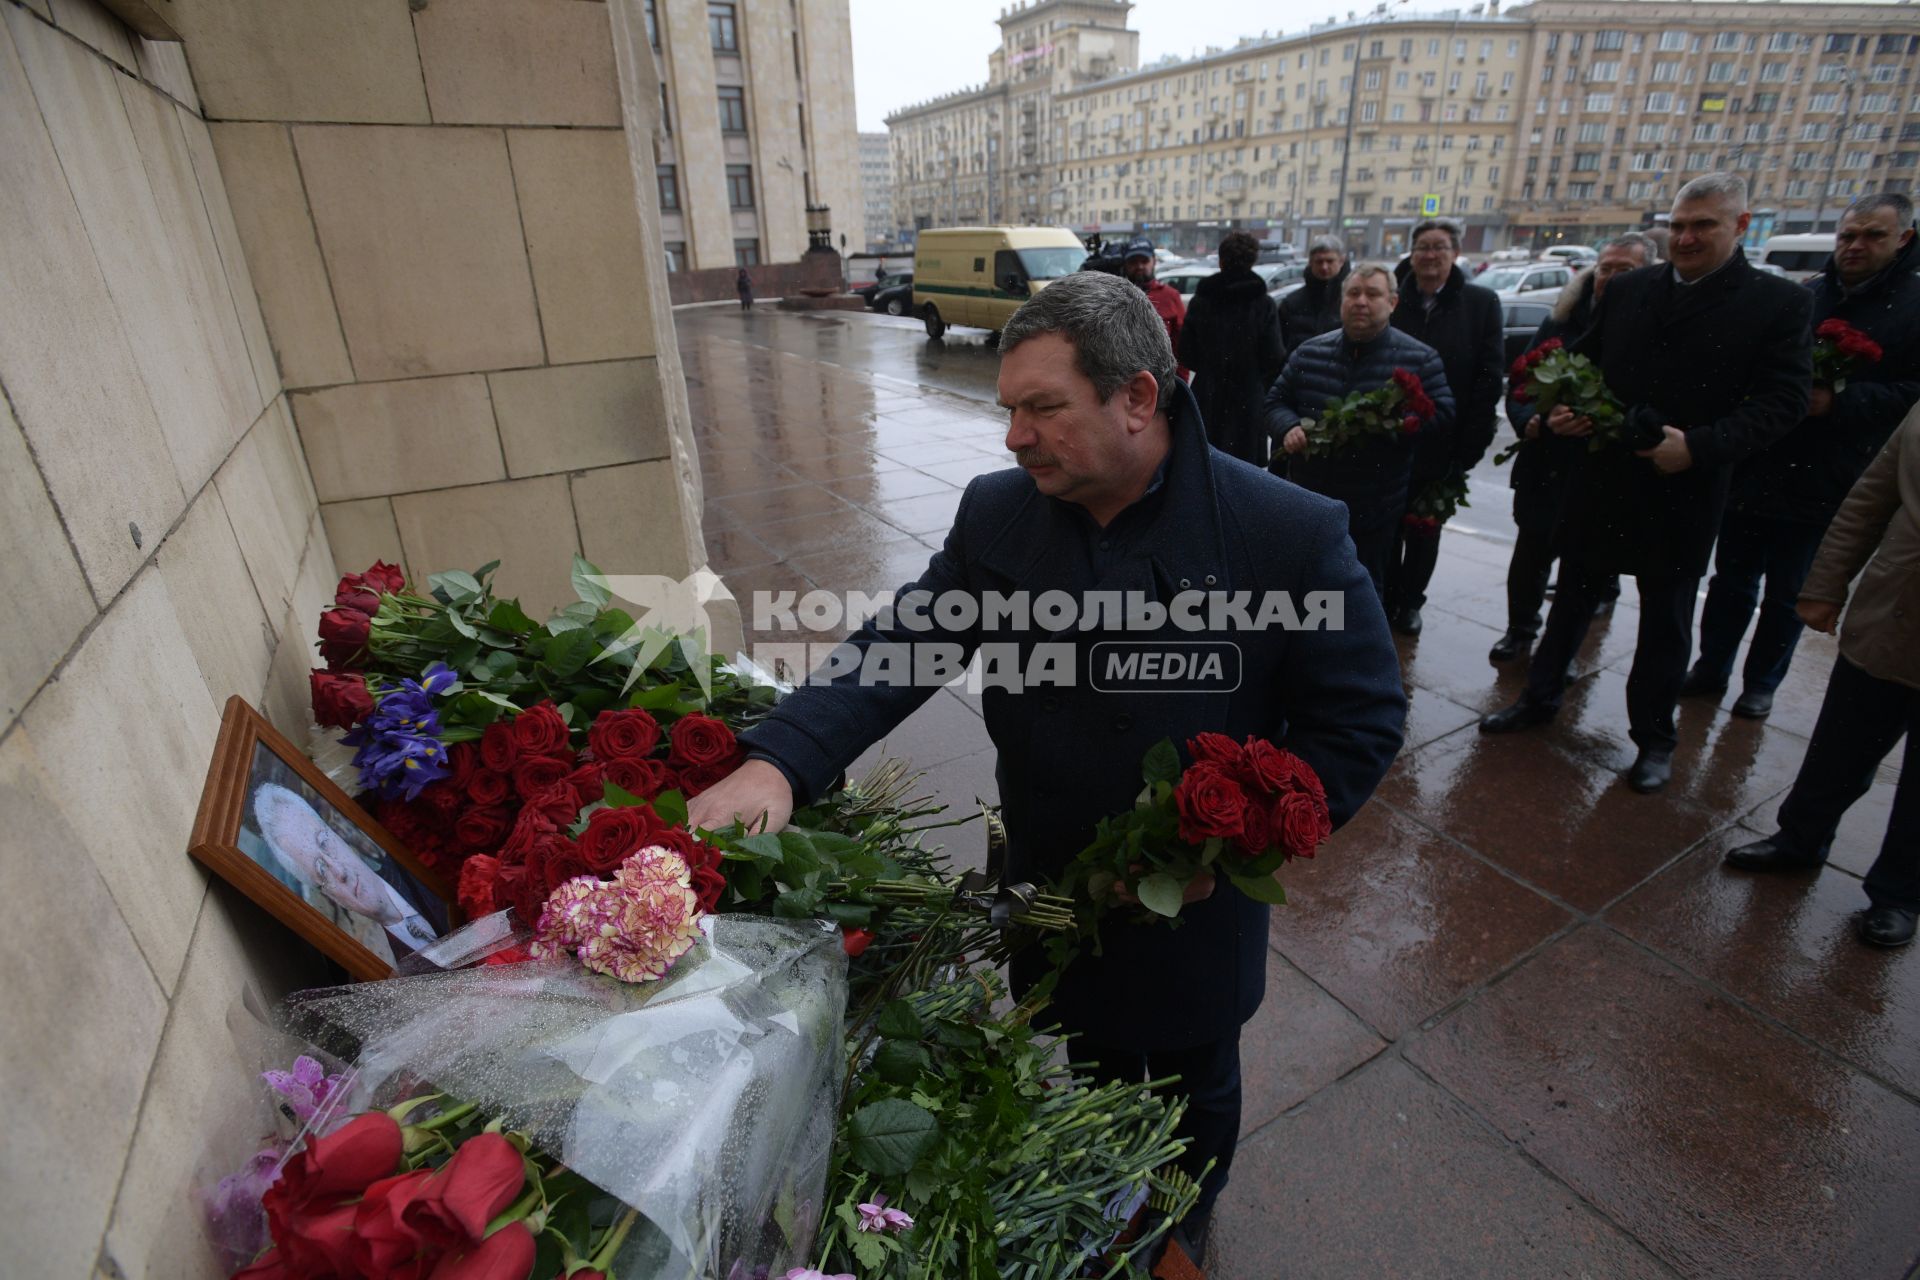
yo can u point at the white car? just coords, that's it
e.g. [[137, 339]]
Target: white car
[[1514, 280], [1187, 278], [1279, 275], [1574, 255]]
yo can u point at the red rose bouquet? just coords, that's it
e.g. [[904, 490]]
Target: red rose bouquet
[[1550, 376], [1434, 505], [1240, 811], [1400, 408], [1839, 352]]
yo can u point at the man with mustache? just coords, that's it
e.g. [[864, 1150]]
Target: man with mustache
[[1119, 494]]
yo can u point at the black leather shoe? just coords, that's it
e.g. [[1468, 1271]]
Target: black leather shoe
[[1521, 715], [1771, 854], [1699, 684], [1651, 770], [1407, 622], [1753, 705], [1887, 927], [1509, 646]]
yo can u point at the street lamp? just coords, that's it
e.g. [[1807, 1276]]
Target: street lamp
[[1839, 142]]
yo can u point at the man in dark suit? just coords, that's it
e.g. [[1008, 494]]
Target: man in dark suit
[[1117, 491], [1717, 357]]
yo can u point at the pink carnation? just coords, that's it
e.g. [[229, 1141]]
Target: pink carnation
[[632, 927]]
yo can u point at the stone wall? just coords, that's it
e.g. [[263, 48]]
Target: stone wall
[[164, 550], [466, 297]]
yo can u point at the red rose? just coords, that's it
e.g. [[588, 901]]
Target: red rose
[[507, 1254], [614, 835], [1409, 426], [535, 774], [698, 740], [344, 1162], [1210, 803], [539, 731], [623, 735], [463, 759], [487, 786], [1832, 329], [343, 636], [530, 893], [708, 887], [482, 829], [441, 802], [475, 1186], [562, 862], [385, 578], [530, 829], [643, 778], [855, 941], [1215, 747], [340, 699], [316, 1239], [267, 1266], [383, 1241], [475, 893], [1270, 768], [1300, 823], [587, 782], [1256, 831], [498, 750], [557, 804]]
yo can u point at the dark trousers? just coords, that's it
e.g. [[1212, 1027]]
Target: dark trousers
[[1410, 565], [1861, 719], [1373, 533], [1528, 572], [1753, 547], [1210, 1081], [1659, 655]]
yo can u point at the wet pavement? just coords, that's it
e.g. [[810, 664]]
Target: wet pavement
[[1520, 1022]]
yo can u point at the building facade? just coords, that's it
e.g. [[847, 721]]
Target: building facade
[[985, 154], [876, 191], [1557, 120], [758, 125]]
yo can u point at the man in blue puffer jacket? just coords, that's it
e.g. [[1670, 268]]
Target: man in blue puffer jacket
[[1361, 355]]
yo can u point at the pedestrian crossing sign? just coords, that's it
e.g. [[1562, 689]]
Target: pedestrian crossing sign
[[1429, 206]]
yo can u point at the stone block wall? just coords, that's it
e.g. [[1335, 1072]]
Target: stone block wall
[[466, 298], [164, 550]]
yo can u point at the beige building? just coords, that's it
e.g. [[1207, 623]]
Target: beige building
[[876, 191], [757, 105], [986, 154]]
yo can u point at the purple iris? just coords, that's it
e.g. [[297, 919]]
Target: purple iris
[[400, 750]]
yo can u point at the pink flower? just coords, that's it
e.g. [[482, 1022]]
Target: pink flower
[[633, 927], [875, 1216], [305, 1089]]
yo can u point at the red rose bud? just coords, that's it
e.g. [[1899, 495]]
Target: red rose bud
[[267, 1266], [643, 778], [340, 699], [343, 635], [614, 835], [855, 941], [698, 740], [344, 1162], [382, 1238], [536, 774], [385, 578], [354, 594], [1409, 426], [1256, 832], [539, 731], [498, 749], [482, 829], [1210, 803], [507, 1254], [587, 781], [475, 1186], [629, 734], [1217, 747]]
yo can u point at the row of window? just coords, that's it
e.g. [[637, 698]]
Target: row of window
[[1735, 42], [723, 26], [746, 253], [739, 186]]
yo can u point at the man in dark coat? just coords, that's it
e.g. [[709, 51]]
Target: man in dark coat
[[1231, 341], [1462, 322], [1784, 495], [1118, 494], [743, 285], [1717, 358], [1371, 478], [1544, 466], [1314, 308]]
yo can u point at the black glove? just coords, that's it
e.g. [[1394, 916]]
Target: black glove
[[1646, 427]]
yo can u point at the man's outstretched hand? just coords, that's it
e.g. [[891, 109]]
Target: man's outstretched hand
[[756, 793]]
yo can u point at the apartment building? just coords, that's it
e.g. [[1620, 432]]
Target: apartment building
[[756, 104], [876, 191], [1815, 104], [983, 154]]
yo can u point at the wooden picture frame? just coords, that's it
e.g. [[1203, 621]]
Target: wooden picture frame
[[278, 829]]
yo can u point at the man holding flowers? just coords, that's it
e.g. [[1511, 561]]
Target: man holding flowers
[[1866, 317], [1713, 361], [1117, 492]]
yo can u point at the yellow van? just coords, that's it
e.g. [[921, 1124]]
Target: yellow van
[[979, 276]]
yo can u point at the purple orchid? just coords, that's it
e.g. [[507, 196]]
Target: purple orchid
[[236, 1224], [875, 1216], [305, 1089]]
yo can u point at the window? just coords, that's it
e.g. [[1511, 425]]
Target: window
[[676, 255], [1586, 160], [1660, 102], [669, 181], [666, 111], [1877, 102], [1592, 133], [1607, 72], [740, 186], [1773, 73], [733, 109], [722, 29], [1609, 40], [1666, 73], [1599, 102], [653, 31], [1823, 102], [1672, 42], [1719, 71], [1840, 42], [746, 252]]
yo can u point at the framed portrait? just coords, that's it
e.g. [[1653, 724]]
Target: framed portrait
[[278, 829]]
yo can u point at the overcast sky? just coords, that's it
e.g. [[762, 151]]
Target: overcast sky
[[908, 52]]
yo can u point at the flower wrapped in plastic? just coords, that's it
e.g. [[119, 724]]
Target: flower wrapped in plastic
[[706, 1099]]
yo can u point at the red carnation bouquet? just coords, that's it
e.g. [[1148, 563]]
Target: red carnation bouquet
[[1840, 351], [1550, 376], [1240, 810], [1399, 408]]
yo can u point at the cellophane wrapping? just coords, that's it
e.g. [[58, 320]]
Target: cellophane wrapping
[[706, 1100]]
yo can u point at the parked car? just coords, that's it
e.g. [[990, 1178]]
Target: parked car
[[1522, 319], [897, 298], [1186, 279], [1279, 275], [1801, 257], [1515, 254], [1514, 279], [885, 280], [1573, 255], [1277, 251]]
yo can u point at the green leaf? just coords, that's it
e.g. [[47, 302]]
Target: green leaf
[[1162, 763], [889, 1136], [461, 587], [850, 914], [566, 654], [1159, 893], [618, 797], [900, 1062], [507, 615], [763, 845], [1261, 889], [797, 904], [899, 1021], [584, 586], [658, 698], [672, 808], [460, 624]]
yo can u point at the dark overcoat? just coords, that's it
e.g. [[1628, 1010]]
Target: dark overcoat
[[1069, 756], [1465, 328], [1729, 362], [1231, 341], [1544, 467], [1313, 308]]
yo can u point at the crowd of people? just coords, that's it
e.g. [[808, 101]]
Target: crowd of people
[[1748, 467]]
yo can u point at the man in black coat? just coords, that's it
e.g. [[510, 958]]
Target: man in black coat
[[1231, 342], [1717, 359], [1784, 495], [1314, 308], [1369, 477], [1463, 323], [1544, 466], [1117, 495]]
